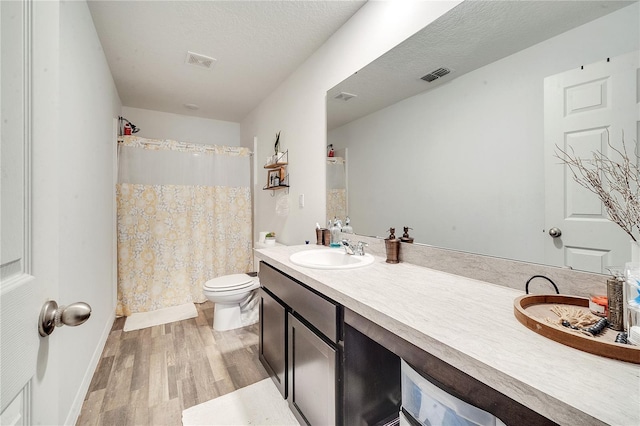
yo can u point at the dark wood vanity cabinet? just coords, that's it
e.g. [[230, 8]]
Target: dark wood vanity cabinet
[[299, 346]]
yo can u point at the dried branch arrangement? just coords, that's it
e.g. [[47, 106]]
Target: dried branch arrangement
[[615, 182]]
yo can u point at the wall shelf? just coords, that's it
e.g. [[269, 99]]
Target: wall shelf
[[277, 176], [280, 161]]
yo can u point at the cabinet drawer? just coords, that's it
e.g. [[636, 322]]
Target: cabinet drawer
[[320, 312]]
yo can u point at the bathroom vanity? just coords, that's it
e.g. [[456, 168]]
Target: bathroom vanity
[[299, 334], [332, 341]]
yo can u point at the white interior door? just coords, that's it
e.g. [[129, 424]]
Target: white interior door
[[20, 292], [585, 109]]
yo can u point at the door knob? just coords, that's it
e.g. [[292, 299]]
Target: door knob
[[52, 316], [555, 232]]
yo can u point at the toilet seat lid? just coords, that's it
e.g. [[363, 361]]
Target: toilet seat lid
[[229, 282]]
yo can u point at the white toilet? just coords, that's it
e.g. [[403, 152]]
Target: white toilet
[[234, 299]]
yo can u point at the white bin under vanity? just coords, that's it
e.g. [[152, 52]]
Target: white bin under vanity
[[424, 403]]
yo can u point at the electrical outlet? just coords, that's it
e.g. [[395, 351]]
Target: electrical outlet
[[301, 200]]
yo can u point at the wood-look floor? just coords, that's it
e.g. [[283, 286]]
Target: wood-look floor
[[148, 376]]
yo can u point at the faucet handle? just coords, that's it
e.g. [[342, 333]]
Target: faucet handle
[[360, 248]]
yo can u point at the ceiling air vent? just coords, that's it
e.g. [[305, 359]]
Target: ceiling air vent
[[344, 96], [201, 61], [434, 75]]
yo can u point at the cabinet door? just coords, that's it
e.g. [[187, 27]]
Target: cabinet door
[[312, 376], [273, 334]]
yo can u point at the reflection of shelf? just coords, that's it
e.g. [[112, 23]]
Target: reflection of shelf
[[275, 188], [282, 160]]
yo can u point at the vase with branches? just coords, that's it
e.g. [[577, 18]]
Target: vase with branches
[[614, 178], [276, 146]]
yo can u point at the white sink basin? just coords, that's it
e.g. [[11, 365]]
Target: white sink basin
[[330, 259]]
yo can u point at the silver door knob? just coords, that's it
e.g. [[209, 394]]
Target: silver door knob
[[52, 316], [555, 232]]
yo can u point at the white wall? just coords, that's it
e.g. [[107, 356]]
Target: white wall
[[164, 125], [463, 164], [75, 103], [297, 109]]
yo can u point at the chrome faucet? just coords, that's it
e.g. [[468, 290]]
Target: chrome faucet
[[354, 249], [348, 248]]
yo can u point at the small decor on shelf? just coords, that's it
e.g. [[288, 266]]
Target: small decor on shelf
[[273, 178], [276, 147], [278, 157]]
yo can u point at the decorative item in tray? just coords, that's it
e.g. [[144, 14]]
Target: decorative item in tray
[[568, 320]]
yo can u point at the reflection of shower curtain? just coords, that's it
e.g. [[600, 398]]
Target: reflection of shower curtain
[[184, 217], [336, 189]]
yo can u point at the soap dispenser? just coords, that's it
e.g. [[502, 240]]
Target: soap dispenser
[[392, 244], [405, 237], [347, 229]]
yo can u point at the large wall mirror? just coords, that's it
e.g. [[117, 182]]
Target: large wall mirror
[[446, 132]]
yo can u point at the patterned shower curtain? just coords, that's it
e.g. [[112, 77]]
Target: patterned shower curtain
[[336, 189], [184, 217]]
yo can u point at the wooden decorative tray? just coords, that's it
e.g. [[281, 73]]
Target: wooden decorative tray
[[533, 310]]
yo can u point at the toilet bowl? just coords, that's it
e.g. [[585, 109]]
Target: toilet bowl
[[234, 299]]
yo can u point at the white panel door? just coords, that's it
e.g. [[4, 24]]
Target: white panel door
[[20, 292], [585, 110]]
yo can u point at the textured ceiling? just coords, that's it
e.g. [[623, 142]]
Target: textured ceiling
[[257, 44], [471, 35]]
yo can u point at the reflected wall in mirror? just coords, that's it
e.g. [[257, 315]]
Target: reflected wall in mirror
[[462, 160]]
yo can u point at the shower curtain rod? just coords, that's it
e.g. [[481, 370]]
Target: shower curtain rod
[[192, 145]]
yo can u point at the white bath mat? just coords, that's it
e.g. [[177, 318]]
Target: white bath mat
[[161, 316], [257, 404]]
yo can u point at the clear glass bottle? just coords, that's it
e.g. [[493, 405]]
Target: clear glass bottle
[[347, 229], [335, 229]]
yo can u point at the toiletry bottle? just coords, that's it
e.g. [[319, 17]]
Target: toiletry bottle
[[347, 229], [335, 233], [318, 234], [615, 300], [392, 244], [405, 237]]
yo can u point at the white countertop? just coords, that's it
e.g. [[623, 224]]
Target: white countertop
[[470, 324]]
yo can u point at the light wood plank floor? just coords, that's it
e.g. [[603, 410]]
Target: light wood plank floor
[[148, 376]]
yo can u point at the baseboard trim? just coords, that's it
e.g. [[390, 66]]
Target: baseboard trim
[[76, 406]]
